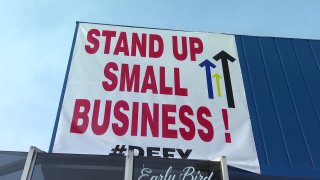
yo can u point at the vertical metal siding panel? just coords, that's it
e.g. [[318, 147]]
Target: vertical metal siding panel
[[282, 83], [254, 115], [284, 104], [315, 48], [275, 148], [276, 87], [297, 92], [311, 77], [310, 72]]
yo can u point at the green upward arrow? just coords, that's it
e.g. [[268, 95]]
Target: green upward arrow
[[218, 77]]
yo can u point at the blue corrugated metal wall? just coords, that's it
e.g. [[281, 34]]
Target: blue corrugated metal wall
[[282, 83]]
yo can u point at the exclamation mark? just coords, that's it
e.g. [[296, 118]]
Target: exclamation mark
[[226, 125]]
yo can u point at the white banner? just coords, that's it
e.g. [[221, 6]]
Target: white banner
[[159, 92]]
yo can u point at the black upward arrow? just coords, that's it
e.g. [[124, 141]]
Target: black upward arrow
[[226, 74]]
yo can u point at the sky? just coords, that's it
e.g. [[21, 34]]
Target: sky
[[36, 37]]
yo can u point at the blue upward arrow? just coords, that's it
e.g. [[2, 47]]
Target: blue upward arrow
[[207, 64]]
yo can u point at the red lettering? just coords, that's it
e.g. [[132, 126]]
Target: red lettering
[[122, 45], [183, 112], [150, 118], [177, 86], [83, 104], [149, 81], [153, 53], [93, 40], [113, 79], [149, 114], [121, 130], [140, 45], [109, 35], [135, 115], [205, 136], [193, 49], [163, 88], [184, 52], [127, 80], [96, 128], [167, 120]]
